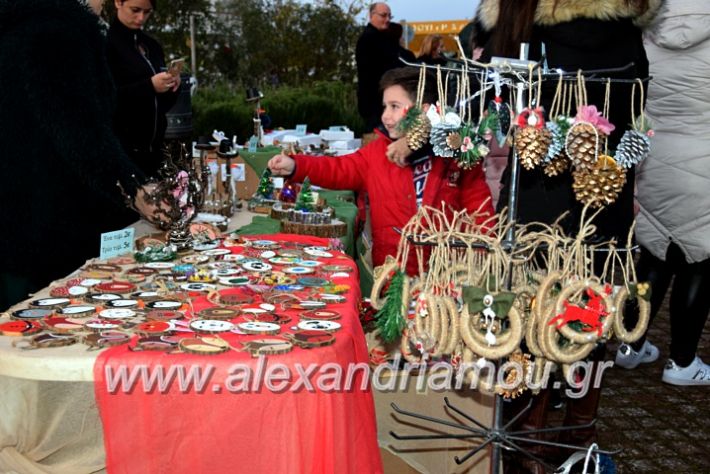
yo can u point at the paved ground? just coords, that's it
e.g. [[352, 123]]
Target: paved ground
[[660, 428]]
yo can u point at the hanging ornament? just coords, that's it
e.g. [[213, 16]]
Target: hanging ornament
[[557, 166], [601, 185], [445, 137], [583, 137], [635, 144], [532, 139], [502, 113]]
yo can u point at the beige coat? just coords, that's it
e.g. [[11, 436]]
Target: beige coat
[[673, 183]]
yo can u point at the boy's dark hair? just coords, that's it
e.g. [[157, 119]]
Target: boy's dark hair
[[408, 79]]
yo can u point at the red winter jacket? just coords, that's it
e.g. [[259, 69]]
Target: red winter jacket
[[391, 189]]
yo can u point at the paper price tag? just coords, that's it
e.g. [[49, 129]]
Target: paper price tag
[[238, 172], [301, 129], [117, 243], [278, 182], [253, 141]]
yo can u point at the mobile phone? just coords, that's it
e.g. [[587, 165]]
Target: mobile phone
[[175, 66]]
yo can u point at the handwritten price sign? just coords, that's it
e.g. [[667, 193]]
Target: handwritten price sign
[[117, 243]]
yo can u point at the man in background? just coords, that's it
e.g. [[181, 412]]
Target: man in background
[[376, 53]]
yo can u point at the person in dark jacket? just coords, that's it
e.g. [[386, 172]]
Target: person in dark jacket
[[375, 53], [430, 52], [145, 91], [577, 34], [60, 160]]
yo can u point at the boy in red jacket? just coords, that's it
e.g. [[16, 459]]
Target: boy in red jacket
[[396, 189]]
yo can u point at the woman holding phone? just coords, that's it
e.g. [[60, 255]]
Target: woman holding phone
[[145, 89]]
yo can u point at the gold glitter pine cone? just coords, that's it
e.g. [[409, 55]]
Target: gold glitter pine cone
[[531, 144], [601, 185], [418, 135], [558, 165], [582, 146]]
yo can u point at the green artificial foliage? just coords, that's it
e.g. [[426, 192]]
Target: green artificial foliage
[[410, 120], [390, 319], [305, 201], [266, 186]]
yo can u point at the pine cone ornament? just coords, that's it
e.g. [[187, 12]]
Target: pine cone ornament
[[601, 185], [559, 128], [558, 165], [418, 133], [633, 148], [582, 145], [531, 144], [443, 137]]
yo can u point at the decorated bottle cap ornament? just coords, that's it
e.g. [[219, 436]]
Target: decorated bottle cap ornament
[[164, 304], [308, 339], [78, 311], [208, 345], [31, 313], [154, 328], [320, 314], [106, 338], [210, 326], [50, 302], [155, 343], [46, 340], [117, 313], [20, 328], [319, 325], [256, 327], [63, 325], [163, 315], [270, 346], [116, 287]]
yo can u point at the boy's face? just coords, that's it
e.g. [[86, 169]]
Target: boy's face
[[396, 101]]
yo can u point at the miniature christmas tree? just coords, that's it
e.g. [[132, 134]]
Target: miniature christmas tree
[[305, 201], [266, 186]]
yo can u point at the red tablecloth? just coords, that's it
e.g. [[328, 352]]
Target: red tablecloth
[[178, 431]]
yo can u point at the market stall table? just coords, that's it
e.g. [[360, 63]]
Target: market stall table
[[324, 429]]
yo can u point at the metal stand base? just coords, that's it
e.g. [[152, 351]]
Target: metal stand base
[[496, 437]]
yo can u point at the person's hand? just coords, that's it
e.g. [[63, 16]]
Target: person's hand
[[163, 82], [281, 165], [398, 151]]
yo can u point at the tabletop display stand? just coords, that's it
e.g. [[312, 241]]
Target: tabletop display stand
[[500, 435]]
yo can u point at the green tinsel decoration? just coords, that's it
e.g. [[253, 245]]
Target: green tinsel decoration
[[389, 319], [409, 120]]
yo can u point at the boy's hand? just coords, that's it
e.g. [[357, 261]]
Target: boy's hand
[[398, 151], [281, 165]]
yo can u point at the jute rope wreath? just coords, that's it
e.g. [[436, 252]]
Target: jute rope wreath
[[556, 309]]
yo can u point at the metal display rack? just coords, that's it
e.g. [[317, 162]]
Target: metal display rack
[[500, 436]]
